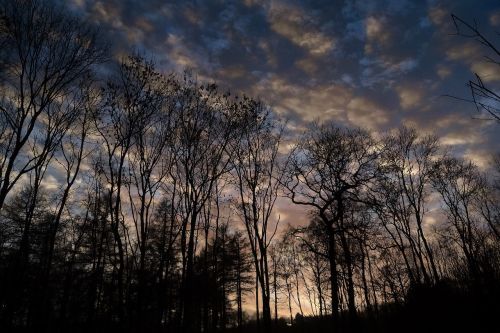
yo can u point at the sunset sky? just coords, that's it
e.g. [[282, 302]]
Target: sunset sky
[[374, 64], [249, 165]]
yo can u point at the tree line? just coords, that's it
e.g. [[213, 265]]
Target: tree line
[[131, 199]]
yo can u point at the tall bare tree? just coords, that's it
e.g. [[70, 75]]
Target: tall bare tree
[[258, 177], [459, 183], [45, 52], [484, 96], [329, 168], [202, 156], [46, 55], [408, 161], [131, 101], [148, 162]]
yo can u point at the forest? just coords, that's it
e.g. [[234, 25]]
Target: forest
[[133, 200]]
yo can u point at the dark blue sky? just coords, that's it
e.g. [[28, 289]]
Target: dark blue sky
[[374, 64]]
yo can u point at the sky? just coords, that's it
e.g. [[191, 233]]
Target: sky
[[373, 64]]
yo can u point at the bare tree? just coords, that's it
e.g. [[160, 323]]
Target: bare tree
[[256, 169], [148, 162], [484, 97], [45, 53], [69, 157], [164, 240], [46, 56], [490, 208], [329, 168], [459, 183], [285, 262], [314, 248], [130, 102], [202, 156], [408, 161]]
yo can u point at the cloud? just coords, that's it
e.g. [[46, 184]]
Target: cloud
[[380, 70], [359, 65], [488, 71], [271, 59], [438, 15], [298, 27], [365, 113], [495, 19], [78, 3], [108, 13], [192, 16], [250, 3], [481, 157], [377, 34], [409, 97], [458, 130], [464, 52], [303, 104], [181, 56], [443, 71], [458, 139], [308, 65], [50, 182], [232, 72]]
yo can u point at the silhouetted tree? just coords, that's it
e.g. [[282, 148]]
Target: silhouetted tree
[[484, 96], [331, 167], [408, 160], [256, 168], [45, 53], [203, 131]]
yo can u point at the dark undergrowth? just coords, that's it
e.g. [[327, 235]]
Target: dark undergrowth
[[445, 307]]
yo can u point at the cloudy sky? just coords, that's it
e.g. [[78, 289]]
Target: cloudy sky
[[374, 64]]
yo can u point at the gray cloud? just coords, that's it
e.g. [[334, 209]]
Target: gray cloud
[[375, 64]]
